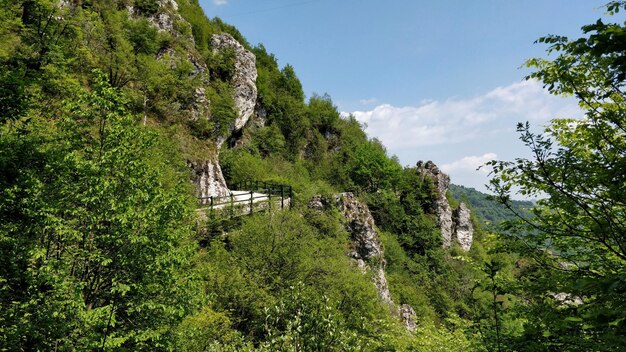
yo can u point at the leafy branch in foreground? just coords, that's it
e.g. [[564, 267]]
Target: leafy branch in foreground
[[578, 170], [91, 234]]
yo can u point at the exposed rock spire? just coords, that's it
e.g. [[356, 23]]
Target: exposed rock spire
[[455, 225], [366, 249]]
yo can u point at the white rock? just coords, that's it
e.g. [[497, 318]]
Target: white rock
[[454, 225], [407, 314], [463, 228], [367, 249], [208, 179], [443, 209], [244, 77]]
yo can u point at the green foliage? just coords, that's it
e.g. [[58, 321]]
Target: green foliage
[[222, 64], [431, 338], [90, 236], [337, 151], [269, 141], [222, 113], [208, 330], [287, 282], [290, 84], [241, 165], [402, 212], [13, 100], [143, 37], [323, 114], [306, 323], [203, 28], [576, 236], [8, 30], [487, 209], [372, 169], [281, 95], [407, 280], [147, 7], [96, 241]]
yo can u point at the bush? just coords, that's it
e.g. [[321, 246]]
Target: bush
[[147, 7]]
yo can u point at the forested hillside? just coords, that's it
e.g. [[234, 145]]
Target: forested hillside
[[105, 105], [487, 208], [116, 115]]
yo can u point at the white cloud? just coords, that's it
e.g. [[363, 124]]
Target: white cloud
[[460, 120], [462, 134], [220, 2], [368, 101], [469, 164]]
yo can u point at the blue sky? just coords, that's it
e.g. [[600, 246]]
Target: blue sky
[[433, 80]]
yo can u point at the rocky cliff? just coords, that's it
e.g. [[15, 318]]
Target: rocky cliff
[[366, 249], [454, 224], [209, 180], [463, 229], [207, 174]]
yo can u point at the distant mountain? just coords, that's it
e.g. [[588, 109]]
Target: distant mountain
[[486, 209]]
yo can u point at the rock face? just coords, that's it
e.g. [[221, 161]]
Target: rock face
[[207, 174], [360, 225], [243, 79], [208, 179], [366, 248], [443, 209], [455, 225], [463, 228], [407, 314]]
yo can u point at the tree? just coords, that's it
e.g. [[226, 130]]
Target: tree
[[92, 230], [372, 169], [577, 235], [322, 113]]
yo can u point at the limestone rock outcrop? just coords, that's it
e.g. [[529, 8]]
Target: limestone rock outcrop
[[208, 179], [207, 174], [407, 314], [366, 249], [454, 224], [360, 225], [164, 21], [442, 206], [211, 181], [463, 229], [243, 79]]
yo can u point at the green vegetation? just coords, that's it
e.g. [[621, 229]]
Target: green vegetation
[[573, 279], [98, 240], [487, 208], [101, 247], [94, 228]]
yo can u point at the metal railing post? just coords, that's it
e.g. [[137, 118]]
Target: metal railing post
[[282, 197], [251, 201]]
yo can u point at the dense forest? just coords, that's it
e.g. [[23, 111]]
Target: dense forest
[[487, 209], [105, 105]]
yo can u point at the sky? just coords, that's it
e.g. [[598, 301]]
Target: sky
[[433, 80]]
